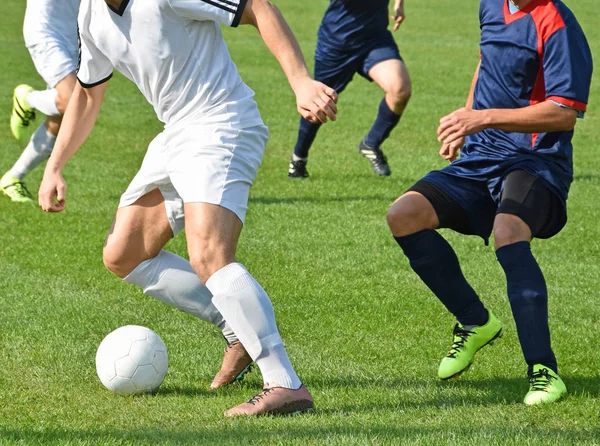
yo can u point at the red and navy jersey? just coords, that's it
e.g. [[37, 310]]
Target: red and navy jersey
[[536, 54], [351, 24]]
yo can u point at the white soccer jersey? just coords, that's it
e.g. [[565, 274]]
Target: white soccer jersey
[[47, 20], [174, 52]]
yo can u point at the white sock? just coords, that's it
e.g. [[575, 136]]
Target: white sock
[[44, 101], [247, 308], [297, 158], [172, 280], [37, 151]]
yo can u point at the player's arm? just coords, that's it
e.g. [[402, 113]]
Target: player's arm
[[77, 124], [539, 118], [399, 15], [316, 102], [450, 149]]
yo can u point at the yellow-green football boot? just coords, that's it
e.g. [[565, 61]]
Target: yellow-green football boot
[[15, 189], [465, 344], [545, 386], [22, 113]]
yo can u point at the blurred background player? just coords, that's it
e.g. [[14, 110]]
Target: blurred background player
[[354, 38], [512, 178], [50, 31], [197, 173]]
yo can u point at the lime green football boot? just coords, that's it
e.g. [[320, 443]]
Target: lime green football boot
[[15, 189], [22, 113], [545, 386], [465, 344]]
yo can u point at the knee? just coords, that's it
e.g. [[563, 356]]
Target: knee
[[399, 93], [207, 258], [62, 100], [118, 261], [408, 215], [509, 229]]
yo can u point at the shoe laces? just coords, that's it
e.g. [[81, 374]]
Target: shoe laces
[[259, 396], [298, 165], [21, 189], [460, 338], [539, 380]]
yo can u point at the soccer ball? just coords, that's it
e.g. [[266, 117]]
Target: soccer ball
[[132, 360]]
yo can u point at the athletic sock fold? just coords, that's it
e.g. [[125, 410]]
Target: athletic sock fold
[[435, 262], [528, 298], [44, 101]]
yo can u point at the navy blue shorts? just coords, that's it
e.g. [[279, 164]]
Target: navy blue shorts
[[336, 68], [467, 206]]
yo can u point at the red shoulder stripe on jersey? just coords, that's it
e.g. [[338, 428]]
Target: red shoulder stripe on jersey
[[547, 21], [581, 106]]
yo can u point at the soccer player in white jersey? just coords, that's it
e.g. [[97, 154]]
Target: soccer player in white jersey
[[199, 170], [50, 31]]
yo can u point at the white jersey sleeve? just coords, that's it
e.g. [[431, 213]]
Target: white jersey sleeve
[[225, 12], [94, 68]]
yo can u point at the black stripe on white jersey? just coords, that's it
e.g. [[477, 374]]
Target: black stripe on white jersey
[[220, 6]]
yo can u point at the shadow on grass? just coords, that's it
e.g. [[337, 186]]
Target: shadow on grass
[[249, 433]]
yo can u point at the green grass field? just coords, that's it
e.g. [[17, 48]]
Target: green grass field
[[364, 333]]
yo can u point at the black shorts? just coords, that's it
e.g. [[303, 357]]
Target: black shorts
[[523, 194]]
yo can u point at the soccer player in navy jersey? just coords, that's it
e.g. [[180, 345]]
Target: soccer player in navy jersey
[[512, 179], [354, 38]]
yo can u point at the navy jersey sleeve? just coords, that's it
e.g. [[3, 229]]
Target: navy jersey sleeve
[[567, 68]]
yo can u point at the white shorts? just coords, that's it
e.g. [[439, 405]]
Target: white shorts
[[199, 163], [54, 61]]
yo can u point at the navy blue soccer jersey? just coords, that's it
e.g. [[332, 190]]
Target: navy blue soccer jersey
[[536, 54], [350, 24]]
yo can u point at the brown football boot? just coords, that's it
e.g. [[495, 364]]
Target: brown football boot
[[275, 401], [236, 363]]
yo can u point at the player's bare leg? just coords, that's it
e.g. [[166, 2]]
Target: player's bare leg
[[212, 235], [133, 251], [392, 76], [52, 103]]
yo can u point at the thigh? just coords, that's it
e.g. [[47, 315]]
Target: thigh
[[526, 196], [384, 50], [138, 233], [461, 204], [391, 75]]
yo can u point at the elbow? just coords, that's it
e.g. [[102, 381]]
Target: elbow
[[568, 121]]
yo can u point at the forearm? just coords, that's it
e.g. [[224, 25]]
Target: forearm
[[539, 118], [279, 38], [473, 84], [77, 124]]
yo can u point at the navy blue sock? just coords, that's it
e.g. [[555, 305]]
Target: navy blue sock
[[434, 260], [528, 298], [306, 135], [384, 124]]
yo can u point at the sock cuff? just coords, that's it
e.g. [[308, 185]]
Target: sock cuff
[[512, 249], [385, 109], [144, 275], [230, 278]]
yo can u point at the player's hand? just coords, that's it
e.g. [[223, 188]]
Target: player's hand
[[316, 102], [53, 186], [398, 17], [460, 123], [450, 151]]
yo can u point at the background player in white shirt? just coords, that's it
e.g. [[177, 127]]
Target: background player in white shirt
[[199, 170], [50, 31]]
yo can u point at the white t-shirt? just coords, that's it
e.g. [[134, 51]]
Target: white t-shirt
[[173, 50], [48, 20]]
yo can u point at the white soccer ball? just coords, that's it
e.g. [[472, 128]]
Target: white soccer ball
[[132, 360]]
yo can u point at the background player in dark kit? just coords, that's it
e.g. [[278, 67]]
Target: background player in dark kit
[[354, 38], [512, 177]]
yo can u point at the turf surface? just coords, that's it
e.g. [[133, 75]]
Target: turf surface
[[365, 334]]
